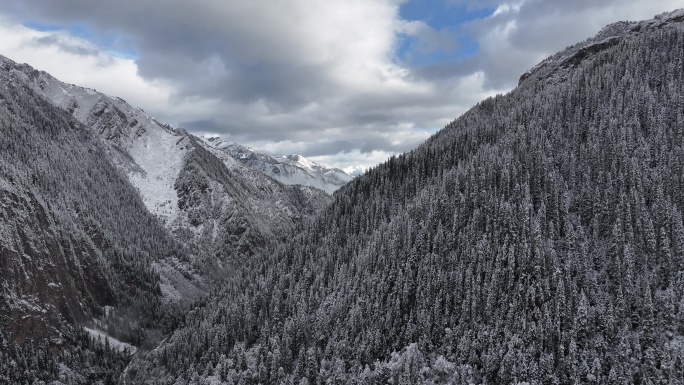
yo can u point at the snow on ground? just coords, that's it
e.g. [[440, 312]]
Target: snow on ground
[[157, 151], [113, 342], [160, 154], [677, 344], [287, 169]]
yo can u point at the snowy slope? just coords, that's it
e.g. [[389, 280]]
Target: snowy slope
[[75, 235], [288, 169], [217, 207], [557, 67], [101, 337], [150, 153], [156, 184]]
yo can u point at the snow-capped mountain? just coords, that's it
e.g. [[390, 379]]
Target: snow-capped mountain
[[151, 154], [75, 235], [287, 169], [221, 211]]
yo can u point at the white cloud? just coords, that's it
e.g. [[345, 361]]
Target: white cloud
[[354, 161], [521, 33], [320, 78], [77, 61], [506, 8]]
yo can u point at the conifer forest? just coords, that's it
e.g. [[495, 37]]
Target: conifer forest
[[536, 239]]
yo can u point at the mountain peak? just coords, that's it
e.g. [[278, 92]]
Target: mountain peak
[[291, 169], [556, 66], [302, 162]]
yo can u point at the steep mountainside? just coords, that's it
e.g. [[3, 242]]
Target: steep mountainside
[[113, 221], [221, 211], [288, 169], [558, 67], [76, 244], [536, 239], [231, 212]]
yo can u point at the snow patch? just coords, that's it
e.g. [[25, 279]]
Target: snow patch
[[287, 169], [160, 155], [156, 152], [113, 342]]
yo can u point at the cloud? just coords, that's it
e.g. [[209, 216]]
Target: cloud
[[319, 78], [77, 61], [425, 40], [64, 44], [521, 33], [281, 70]]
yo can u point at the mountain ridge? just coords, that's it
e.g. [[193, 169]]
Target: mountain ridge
[[155, 159], [73, 231], [287, 169], [610, 35]]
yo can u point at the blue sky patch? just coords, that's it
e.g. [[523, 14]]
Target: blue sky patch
[[443, 17], [113, 44]]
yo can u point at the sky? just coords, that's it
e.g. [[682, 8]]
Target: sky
[[346, 83]]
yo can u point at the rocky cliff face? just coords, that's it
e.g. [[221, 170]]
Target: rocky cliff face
[[558, 66], [48, 278]]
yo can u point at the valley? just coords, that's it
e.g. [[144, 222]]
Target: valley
[[536, 239]]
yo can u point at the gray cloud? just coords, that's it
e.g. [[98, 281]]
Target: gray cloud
[[322, 78], [516, 39], [66, 46]]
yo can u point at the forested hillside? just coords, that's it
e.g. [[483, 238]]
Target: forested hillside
[[115, 222], [538, 238], [229, 212], [76, 248], [219, 210]]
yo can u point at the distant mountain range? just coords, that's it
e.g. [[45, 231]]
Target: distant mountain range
[[287, 169]]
